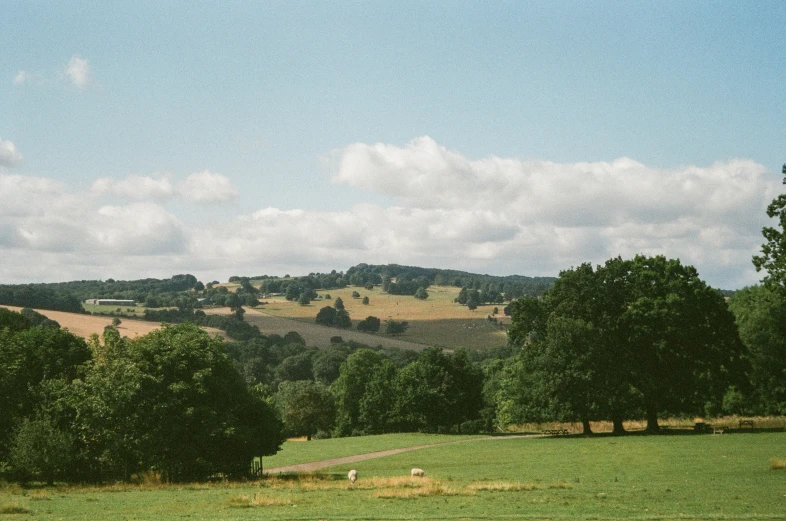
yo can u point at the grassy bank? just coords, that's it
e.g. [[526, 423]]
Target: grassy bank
[[604, 477]]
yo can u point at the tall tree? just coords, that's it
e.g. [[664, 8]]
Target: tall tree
[[306, 407], [773, 252], [650, 324], [759, 312]]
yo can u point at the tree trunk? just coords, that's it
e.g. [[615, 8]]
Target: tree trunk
[[618, 427], [587, 428], [652, 419]]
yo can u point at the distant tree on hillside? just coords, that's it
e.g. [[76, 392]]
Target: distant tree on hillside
[[393, 327], [369, 325]]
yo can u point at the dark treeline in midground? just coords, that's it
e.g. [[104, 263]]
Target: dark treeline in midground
[[171, 401]]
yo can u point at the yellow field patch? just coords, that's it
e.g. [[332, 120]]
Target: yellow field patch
[[86, 325]]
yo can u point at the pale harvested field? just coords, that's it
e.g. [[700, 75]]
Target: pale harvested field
[[314, 334], [436, 321], [86, 325]]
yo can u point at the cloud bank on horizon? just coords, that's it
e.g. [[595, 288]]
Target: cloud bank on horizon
[[491, 215]]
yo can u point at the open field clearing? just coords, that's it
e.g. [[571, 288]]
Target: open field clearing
[[296, 451], [86, 325], [314, 334], [436, 321], [603, 477]]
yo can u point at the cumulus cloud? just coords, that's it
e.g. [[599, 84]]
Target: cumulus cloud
[[9, 155], [78, 72], [135, 187], [207, 187], [201, 187], [489, 215]]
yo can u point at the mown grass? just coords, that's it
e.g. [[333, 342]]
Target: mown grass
[[603, 477], [298, 451]]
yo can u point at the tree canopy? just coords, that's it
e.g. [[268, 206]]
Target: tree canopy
[[632, 335]]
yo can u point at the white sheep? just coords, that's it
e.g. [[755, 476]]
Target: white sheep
[[418, 473], [353, 476]]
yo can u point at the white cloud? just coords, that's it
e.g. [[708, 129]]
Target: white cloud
[[78, 72], [135, 187], [21, 78], [207, 187], [138, 229], [9, 155], [493, 215]]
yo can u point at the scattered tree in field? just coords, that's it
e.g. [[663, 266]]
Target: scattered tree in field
[[116, 321], [326, 316], [304, 299], [421, 293], [355, 294], [369, 286], [365, 301], [394, 327], [369, 325]]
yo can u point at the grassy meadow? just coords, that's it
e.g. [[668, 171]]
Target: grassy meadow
[[714, 477], [436, 321]]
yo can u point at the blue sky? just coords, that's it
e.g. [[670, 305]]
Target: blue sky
[[270, 137]]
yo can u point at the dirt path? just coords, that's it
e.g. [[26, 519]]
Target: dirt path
[[314, 334], [317, 465]]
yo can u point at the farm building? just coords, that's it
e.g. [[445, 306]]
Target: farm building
[[109, 302]]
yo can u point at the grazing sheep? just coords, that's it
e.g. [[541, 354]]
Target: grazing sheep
[[353, 476], [418, 473]]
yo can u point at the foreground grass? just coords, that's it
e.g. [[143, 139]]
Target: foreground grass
[[301, 451], [635, 477]]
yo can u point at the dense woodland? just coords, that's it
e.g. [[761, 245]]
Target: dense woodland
[[642, 338]]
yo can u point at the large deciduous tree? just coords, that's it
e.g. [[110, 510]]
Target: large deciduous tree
[[306, 407], [773, 252], [643, 334]]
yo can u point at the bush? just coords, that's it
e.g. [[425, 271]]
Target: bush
[[41, 451]]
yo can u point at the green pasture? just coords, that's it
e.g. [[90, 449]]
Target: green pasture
[[296, 451], [714, 477]]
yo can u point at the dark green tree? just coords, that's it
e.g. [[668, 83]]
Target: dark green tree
[[170, 400], [421, 293], [437, 391], [305, 407], [369, 325], [647, 325], [350, 388], [395, 327], [759, 313]]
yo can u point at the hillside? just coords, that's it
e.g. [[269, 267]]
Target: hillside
[[436, 321]]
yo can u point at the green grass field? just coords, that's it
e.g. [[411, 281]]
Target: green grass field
[[294, 452], [634, 477]]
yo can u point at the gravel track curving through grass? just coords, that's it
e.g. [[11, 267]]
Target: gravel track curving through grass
[[318, 465]]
